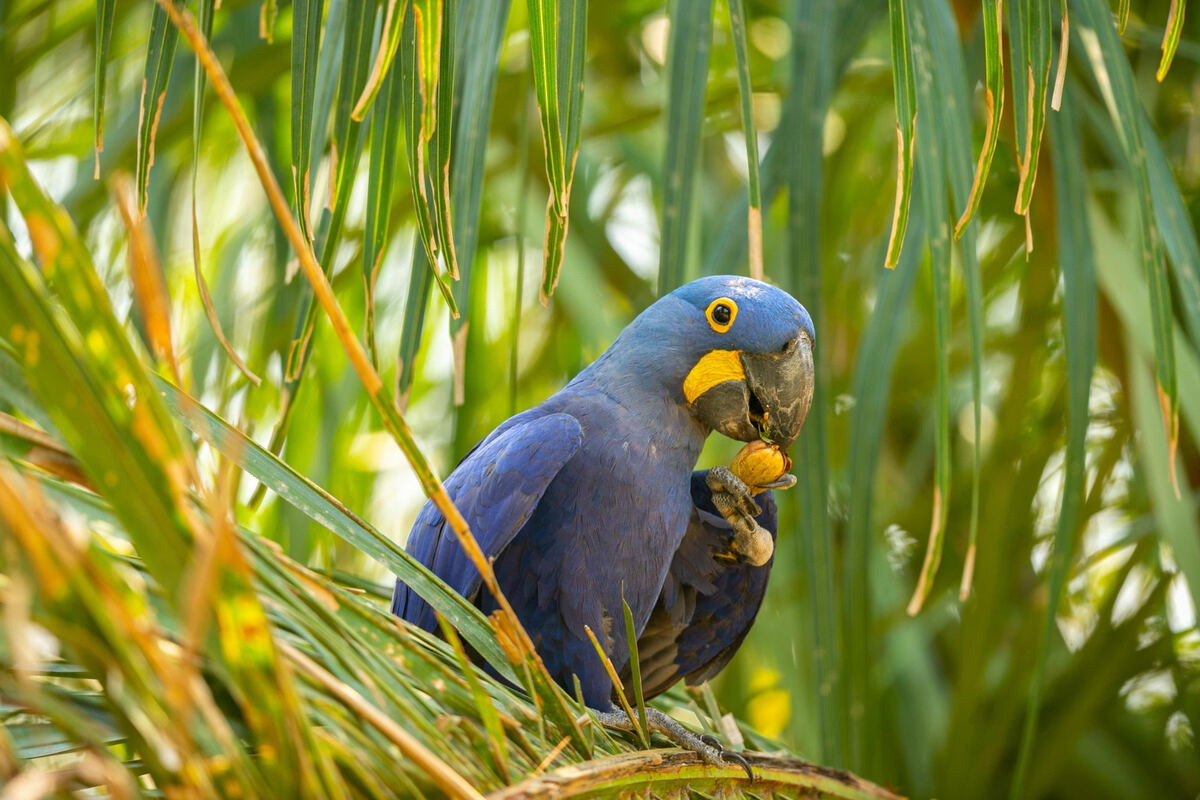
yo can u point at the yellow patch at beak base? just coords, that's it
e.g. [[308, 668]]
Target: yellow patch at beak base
[[715, 367]]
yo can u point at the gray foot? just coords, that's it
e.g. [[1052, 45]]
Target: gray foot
[[707, 747], [751, 543]]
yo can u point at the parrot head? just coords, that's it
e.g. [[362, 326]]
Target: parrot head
[[738, 353]]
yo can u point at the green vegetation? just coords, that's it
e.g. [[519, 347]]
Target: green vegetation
[[353, 231]]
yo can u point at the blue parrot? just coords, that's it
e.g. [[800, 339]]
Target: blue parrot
[[590, 498]]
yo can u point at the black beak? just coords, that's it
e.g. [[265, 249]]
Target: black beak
[[772, 400]]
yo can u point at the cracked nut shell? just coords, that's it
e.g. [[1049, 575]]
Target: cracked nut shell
[[758, 463]]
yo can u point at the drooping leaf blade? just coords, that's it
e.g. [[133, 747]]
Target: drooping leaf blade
[[306, 41], [557, 37], [810, 90], [160, 55], [1035, 20], [479, 38], [105, 13], [1079, 313], [904, 87], [687, 65], [1112, 73], [937, 221], [992, 16]]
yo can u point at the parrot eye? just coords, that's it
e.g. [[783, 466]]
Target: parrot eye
[[721, 313]]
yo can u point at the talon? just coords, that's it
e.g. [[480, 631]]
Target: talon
[[727, 755], [785, 481], [739, 759]]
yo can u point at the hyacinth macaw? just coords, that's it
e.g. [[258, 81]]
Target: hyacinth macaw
[[591, 497]]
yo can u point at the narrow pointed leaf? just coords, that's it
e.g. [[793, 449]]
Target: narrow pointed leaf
[[952, 129], [323, 509], [557, 38], [687, 64], [105, 12], [199, 84], [1171, 34], [415, 304], [160, 55], [306, 40], [386, 122], [413, 104], [356, 56], [1112, 73], [99, 372], [1035, 32], [479, 37], [1075, 254], [737, 24], [811, 85], [994, 54], [904, 87], [937, 221], [389, 42]]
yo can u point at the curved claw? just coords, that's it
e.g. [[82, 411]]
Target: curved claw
[[728, 755], [784, 481]]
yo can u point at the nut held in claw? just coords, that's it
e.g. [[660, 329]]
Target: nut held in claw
[[760, 464]]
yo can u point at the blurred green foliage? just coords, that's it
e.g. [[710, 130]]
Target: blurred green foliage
[[936, 704]]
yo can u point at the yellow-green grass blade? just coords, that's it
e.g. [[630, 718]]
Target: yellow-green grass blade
[[1034, 28], [871, 385], [635, 670], [160, 55], [557, 39], [937, 222], [1079, 325], [103, 623], [618, 687], [385, 54], [687, 66], [483, 703], [1127, 291], [1175, 226], [904, 88], [992, 16], [811, 84], [1111, 70], [480, 33], [413, 104], [207, 11], [952, 130], [266, 20], [100, 371], [518, 645], [386, 124], [442, 140], [319, 506], [352, 75], [306, 41], [724, 252], [105, 13], [113, 418], [1171, 216], [737, 25], [1171, 34], [415, 303]]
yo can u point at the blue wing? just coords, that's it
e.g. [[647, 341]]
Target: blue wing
[[708, 601], [496, 487]]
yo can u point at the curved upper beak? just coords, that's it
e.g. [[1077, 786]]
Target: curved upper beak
[[768, 400]]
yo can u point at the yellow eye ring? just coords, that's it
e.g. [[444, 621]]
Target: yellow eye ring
[[720, 314]]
